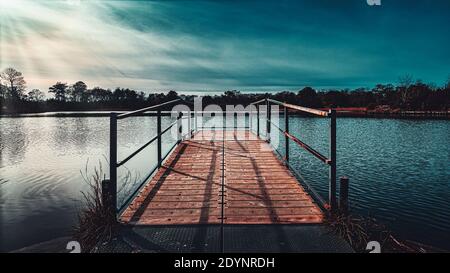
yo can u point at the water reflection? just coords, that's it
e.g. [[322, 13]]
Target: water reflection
[[13, 142], [40, 171], [398, 170]]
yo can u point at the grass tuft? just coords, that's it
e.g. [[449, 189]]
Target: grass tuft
[[96, 222], [359, 230]]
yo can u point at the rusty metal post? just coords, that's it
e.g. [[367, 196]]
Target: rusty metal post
[[107, 198], [189, 124], [257, 120], [158, 130], [105, 192], [332, 162], [113, 161], [268, 116], [286, 129], [179, 127], [195, 120], [343, 195], [250, 116]]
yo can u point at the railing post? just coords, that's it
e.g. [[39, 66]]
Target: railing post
[[179, 127], [257, 120], [332, 163], [106, 194], [107, 199], [158, 125], [286, 129], [343, 195], [250, 117], [189, 124], [113, 161], [224, 124], [195, 120], [268, 117]]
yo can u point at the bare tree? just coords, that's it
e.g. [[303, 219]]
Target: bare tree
[[14, 81], [404, 83]]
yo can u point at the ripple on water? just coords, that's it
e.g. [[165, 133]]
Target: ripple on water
[[398, 169]]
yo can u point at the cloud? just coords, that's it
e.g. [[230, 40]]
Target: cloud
[[220, 45]]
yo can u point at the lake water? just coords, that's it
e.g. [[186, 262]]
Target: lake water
[[399, 170]]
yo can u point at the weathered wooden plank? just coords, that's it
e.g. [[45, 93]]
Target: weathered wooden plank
[[291, 219], [273, 197], [180, 220], [269, 203], [266, 192], [187, 189], [190, 212]]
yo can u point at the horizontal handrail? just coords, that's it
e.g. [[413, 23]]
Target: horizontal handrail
[[168, 127], [154, 112], [276, 126], [320, 201], [330, 161], [301, 108], [136, 191], [308, 148], [144, 146], [224, 127], [258, 102], [302, 144], [154, 107], [136, 152]]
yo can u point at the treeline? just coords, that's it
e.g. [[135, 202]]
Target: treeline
[[407, 95]]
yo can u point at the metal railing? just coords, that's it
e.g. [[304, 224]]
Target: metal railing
[[114, 164], [109, 187], [330, 160]]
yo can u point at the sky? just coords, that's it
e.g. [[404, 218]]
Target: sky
[[210, 46]]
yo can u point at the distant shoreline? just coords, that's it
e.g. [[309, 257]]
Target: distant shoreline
[[341, 112]]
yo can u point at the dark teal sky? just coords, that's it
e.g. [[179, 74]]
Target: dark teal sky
[[246, 45]]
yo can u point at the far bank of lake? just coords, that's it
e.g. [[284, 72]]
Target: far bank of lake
[[341, 112]]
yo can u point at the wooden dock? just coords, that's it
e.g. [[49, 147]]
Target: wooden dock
[[229, 177]]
